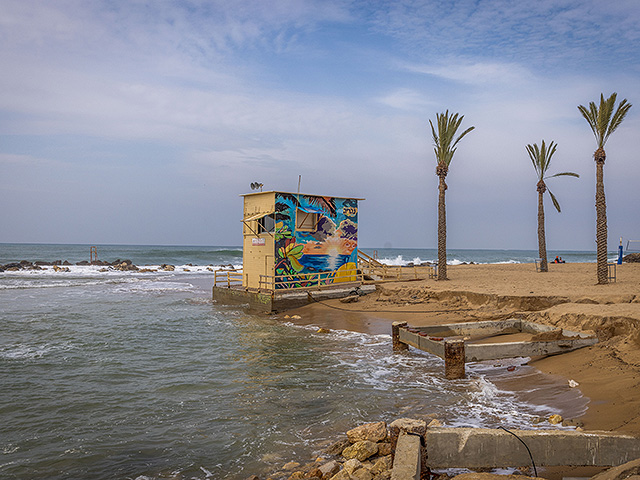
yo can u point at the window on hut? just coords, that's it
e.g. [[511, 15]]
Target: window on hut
[[306, 221], [266, 224]]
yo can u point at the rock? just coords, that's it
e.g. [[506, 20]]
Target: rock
[[434, 423], [631, 258], [360, 450], [338, 447], [573, 383], [537, 420], [253, 477], [362, 474], [290, 466], [409, 425], [350, 299], [296, 476], [373, 432], [386, 475], [351, 466], [382, 464], [573, 423], [341, 475], [167, 268], [330, 468], [296, 317], [384, 448], [323, 330], [555, 419], [314, 473]]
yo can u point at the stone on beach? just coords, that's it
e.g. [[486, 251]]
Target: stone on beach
[[373, 432], [360, 450]]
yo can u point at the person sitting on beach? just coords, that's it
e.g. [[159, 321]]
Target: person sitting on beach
[[560, 260], [557, 260]]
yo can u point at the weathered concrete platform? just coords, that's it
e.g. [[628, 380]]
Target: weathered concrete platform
[[453, 342], [274, 301]]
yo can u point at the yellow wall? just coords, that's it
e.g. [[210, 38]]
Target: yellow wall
[[257, 259]]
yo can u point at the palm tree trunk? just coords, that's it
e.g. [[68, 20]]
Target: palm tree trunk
[[601, 220], [442, 230], [542, 243]]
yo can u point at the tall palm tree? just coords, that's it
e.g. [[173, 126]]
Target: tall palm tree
[[541, 159], [444, 147], [603, 122]]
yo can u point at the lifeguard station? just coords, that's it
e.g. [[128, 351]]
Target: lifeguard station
[[296, 248]]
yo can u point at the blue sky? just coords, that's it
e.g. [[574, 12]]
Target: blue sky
[[143, 122]]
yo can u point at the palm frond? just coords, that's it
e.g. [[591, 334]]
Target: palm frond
[[541, 156], [602, 120], [554, 200], [618, 117], [569, 174], [444, 139]]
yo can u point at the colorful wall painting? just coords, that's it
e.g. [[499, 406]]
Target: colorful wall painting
[[316, 234]]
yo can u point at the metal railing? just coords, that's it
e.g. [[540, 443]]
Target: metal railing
[[309, 281], [227, 278]]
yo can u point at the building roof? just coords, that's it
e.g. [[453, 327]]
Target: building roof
[[299, 193]]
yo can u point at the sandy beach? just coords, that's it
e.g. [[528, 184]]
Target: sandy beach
[[567, 297]]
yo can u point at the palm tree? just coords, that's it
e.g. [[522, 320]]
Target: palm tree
[[445, 147], [541, 159], [603, 122]]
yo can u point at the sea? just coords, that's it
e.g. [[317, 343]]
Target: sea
[[107, 374]]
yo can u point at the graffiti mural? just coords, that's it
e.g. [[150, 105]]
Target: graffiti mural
[[315, 234]]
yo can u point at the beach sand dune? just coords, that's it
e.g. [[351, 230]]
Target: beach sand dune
[[566, 297]]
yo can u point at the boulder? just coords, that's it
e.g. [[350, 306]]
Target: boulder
[[341, 475], [330, 468], [351, 466], [631, 258], [384, 448], [337, 448], [360, 450], [373, 432], [382, 464], [362, 474], [290, 466]]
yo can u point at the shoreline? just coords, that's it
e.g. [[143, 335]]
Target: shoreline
[[608, 373]]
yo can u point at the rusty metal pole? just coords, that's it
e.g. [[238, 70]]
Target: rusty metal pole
[[454, 357], [398, 346]]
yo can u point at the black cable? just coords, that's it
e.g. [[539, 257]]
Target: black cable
[[535, 471]]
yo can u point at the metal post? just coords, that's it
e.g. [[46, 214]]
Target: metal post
[[395, 336], [454, 357]]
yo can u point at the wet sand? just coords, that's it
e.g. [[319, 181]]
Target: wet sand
[[567, 296]]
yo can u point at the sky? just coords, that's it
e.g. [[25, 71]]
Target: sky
[[142, 122]]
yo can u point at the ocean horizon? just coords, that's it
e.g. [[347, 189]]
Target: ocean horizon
[[231, 254]]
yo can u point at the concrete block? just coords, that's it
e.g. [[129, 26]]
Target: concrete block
[[489, 448], [406, 464]]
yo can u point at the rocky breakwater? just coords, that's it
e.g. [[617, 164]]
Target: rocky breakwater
[[366, 453], [63, 266]]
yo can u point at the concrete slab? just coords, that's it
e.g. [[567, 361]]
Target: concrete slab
[[406, 463], [491, 448]]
